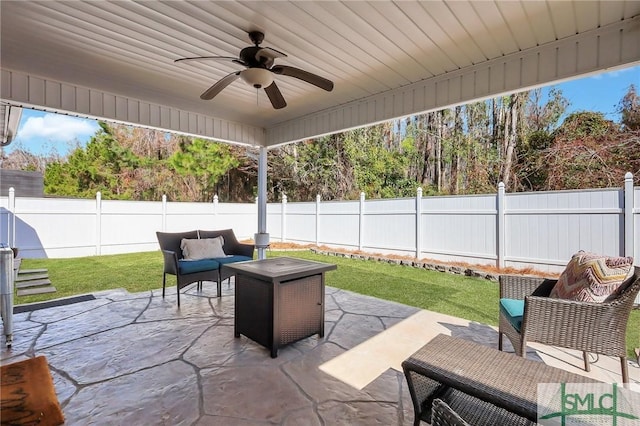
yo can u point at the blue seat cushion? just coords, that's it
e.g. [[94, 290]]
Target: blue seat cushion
[[232, 259], [513, 310], [191, 266]]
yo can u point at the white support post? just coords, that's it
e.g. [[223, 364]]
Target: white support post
[[215, 205], [11, 220], [317, 220], [98, 223], [283, 219], [261, 238], [164, 213], [500, 238], [628, 215], [361, 222], [419, 223]]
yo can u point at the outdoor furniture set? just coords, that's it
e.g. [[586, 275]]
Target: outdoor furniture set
[[197, 256], [457, 382], [451, 381], [277, 301], [587, 308]]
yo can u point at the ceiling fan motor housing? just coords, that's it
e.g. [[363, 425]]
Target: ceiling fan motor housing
[[257, 77]]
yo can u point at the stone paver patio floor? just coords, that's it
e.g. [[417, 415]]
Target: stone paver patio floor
[[136, 359]]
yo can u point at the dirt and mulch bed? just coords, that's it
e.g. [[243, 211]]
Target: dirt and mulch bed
[[459, 268]]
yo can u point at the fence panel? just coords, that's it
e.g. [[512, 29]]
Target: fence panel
[[459, 228], [129, 226], [339, 223], [185, 216], [242, 218], [544, 229], [301, 223], [274, 221], [390, 226], [5, 214], [55, 227]]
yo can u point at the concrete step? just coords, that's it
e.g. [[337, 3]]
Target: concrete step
[[31, 271], [33, 283], [29, 277], [36, 290]]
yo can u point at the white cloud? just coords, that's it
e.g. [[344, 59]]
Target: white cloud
[[615, 73], [56, 128]]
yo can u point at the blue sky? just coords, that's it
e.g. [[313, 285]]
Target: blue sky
[[43, 133]]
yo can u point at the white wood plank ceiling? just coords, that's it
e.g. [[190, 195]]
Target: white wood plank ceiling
[[114, 60]]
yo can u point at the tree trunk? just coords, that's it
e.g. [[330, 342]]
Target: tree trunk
[[511, 133]]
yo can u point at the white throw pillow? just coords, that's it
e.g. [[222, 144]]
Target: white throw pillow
[[205, 248]]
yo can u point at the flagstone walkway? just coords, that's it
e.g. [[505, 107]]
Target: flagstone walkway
[[138, 359]]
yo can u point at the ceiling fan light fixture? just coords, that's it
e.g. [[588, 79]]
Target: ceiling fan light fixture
[[257, 77]]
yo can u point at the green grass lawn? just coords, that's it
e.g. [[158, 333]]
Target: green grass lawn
[[470, 298]]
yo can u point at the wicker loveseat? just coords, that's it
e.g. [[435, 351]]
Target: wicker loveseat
[[207, 269], [585, 326]]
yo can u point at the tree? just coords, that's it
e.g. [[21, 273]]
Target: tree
[[103, 166], [541, 121], [590, 151], [629, 108], [206, 160], [544, 117], [21, 159]]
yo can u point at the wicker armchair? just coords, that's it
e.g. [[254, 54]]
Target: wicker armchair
[[588, 327]]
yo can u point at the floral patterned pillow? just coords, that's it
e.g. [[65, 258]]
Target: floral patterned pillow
[[591, 277]]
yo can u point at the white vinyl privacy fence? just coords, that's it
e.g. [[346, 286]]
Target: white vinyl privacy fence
[[62, 227], [539, 230]]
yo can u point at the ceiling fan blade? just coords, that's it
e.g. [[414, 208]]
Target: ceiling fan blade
[[314, 79], [275, 96], [212, 91], [197, 58]]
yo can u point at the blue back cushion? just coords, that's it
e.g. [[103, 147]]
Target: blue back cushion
[[513, 310], [191, 266]]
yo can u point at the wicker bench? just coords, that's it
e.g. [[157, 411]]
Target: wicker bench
[[481, 384], [188, 272]]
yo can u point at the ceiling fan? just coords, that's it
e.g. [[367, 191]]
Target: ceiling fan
[[259, 63]]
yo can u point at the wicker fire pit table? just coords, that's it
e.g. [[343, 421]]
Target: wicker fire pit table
[[279, 300]]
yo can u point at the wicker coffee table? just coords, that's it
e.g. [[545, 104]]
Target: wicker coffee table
[[279, 300], [482, 384]]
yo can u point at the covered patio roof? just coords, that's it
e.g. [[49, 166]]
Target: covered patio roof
[[115, 60]]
